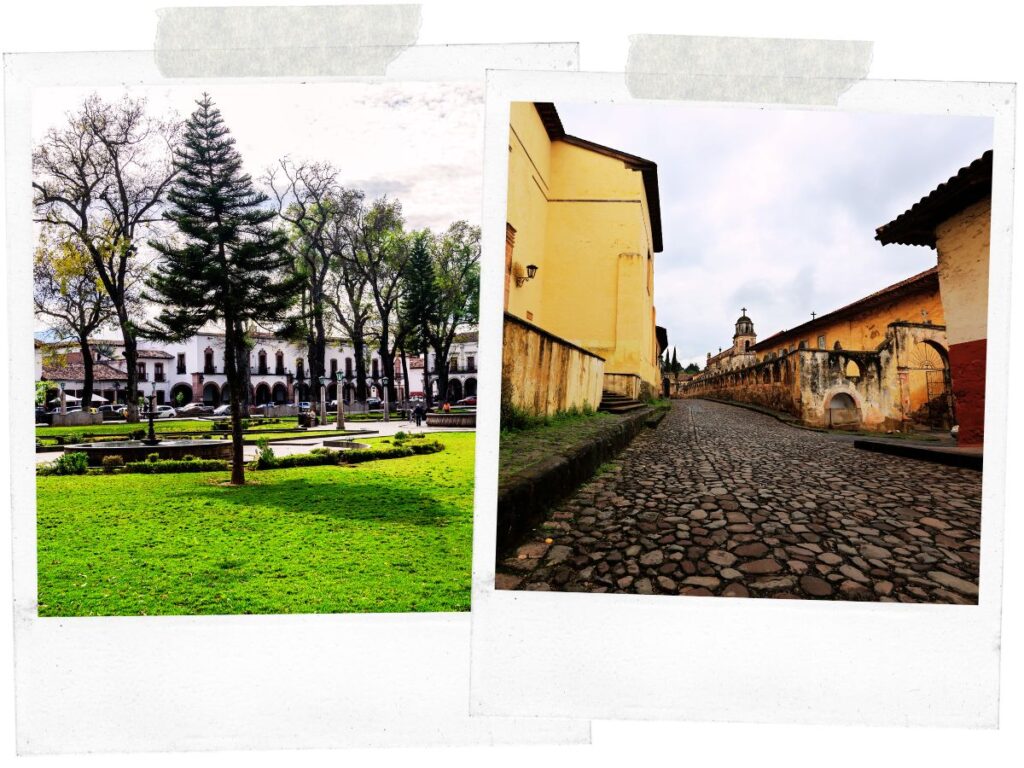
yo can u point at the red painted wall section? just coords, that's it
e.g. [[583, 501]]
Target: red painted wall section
[[967, 369]]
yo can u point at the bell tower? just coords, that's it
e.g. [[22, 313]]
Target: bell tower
[[745, 338]]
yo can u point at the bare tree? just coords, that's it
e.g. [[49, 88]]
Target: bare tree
[[67, 292], [380, 255], [316, 209], [101, 178], [457, 285]]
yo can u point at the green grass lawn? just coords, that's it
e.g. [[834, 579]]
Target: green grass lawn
[[521, 448], [384, 536]]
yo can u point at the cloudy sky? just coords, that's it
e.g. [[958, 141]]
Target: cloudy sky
[[419, 142], [776, 210]]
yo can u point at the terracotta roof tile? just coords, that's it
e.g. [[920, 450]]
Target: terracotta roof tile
[[916, 225]]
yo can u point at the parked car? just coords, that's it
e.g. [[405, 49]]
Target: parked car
[[471, 400], [373, 402], [109, 408], [304, 406], [165, 412], [196, 409], [222, 410]]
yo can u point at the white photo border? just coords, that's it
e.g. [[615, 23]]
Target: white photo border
[[224, 682], [609, 656]]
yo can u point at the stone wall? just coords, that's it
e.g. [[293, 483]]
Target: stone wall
[[543, 374], [627, 384], [79, 419], [829, 388]]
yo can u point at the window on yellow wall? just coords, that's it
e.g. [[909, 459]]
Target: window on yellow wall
[[821, 342]]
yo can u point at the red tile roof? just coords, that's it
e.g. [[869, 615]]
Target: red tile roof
[[916, 225], [923, 280]]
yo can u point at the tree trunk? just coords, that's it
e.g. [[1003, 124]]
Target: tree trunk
[[87, 377], [359, 349], [441, 363], [242, 362], [231, 343], [405, 376], [428, 391], [131, 362]]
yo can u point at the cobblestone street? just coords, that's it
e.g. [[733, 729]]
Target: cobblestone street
[[719, 500]]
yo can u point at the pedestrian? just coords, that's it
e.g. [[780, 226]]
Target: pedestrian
[[418, 412], [446, 407]]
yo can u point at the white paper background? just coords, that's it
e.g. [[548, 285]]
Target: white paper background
[[941, 41]]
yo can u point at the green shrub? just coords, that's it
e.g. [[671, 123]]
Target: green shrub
[[225, 426], [76, 463], [169, 466], [154, 456], [189, 457], [324, 456], [400, 436], [137, 434], [110, 463], [265, 458]]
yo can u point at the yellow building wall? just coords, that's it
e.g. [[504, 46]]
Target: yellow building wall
[[962, 243], [582, 218], [866, 330]]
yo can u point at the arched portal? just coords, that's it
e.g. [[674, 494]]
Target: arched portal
[[279, 394], [470, 388], [211, 393], [454, 390], [842, 411], [928, 398], [181, 394], [262, 393]]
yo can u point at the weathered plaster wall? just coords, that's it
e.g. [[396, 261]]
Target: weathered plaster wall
[[866, 329], [962, 243], [544, 374], [813, 385]]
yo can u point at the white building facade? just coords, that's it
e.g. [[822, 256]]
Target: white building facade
[[193, 370]]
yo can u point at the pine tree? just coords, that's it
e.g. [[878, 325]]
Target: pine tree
[[675, 366], [227, 264], [419, 304]]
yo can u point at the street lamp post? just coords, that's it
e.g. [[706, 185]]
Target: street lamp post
[[384, 383], [341, 392], [323, 399], [151, 438]]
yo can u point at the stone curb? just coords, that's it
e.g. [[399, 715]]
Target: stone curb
[[949, 457], [525, 498]]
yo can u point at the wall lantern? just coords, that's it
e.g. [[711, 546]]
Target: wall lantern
[[521, 276]]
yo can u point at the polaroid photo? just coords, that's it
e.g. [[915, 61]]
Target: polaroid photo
[[246, 311], [753, 359]]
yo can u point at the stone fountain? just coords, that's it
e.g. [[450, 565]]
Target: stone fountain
[[139, 450]]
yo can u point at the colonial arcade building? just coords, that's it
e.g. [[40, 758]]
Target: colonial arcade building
[[193, 370]]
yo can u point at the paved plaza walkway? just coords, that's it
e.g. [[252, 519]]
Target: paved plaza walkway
[[719, 500], [315, 437]]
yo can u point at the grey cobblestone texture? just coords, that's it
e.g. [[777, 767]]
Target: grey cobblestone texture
[[724, 501]]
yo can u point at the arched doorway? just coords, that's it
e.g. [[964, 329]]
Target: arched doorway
[[470, 388], [928, 399], [842, 412], [454, 390], [181, 394], [211, 393], [279, 394], [262, 393]]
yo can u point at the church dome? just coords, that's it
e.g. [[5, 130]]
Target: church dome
[[744, 325]]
